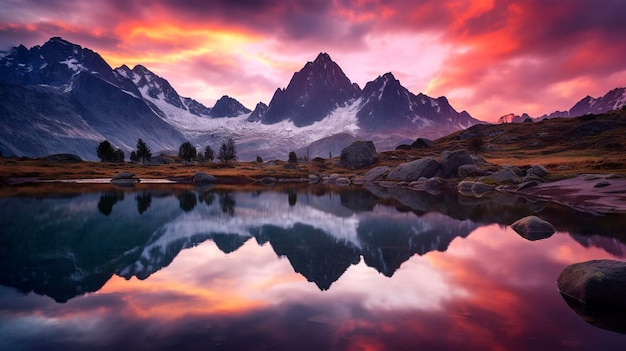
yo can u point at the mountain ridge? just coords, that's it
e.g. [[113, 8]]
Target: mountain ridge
[[62, 98]]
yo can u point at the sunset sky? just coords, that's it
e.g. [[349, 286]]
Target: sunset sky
[[488, 57]]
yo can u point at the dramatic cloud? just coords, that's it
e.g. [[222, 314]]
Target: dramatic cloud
[[488, 57]]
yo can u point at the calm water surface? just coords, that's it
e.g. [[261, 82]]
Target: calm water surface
[[173, 267]]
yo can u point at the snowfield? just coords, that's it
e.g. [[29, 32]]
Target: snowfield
[[268, 140]]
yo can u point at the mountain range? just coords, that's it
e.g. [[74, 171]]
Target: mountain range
[[613, 100], [62, 98]]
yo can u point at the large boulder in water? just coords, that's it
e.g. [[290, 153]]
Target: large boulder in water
[[203, 178], [595, 283], [533, 228], [411, 171], [359, 154], [596, 291], [451, 161]]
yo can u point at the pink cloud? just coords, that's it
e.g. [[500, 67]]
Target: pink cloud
[[488, 57]]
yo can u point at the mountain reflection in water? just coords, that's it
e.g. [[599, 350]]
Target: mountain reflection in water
[[494, 290]]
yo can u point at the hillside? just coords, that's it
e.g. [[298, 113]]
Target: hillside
[[565, 146]]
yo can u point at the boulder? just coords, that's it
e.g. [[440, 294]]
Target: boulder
[[425, 167], [451, 161], [124, 179], [376, 173], [433, 186], [269, 181], [203, 178], [422, 143], [343, 181], [533, 228], [123, 175], [595, 283], [538, 171], [359, 154], [595, 290], [479, 188], [314, 179], [465, 187]]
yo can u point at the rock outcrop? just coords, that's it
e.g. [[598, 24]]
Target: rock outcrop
[[451, 161], [411, 171], [359, 154]]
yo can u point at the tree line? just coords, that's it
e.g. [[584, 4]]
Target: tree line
[[187, 152]]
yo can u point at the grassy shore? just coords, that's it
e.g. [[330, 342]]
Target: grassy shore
[[561, 145]]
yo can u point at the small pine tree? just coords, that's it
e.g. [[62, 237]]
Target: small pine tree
[[209, 155], [187, 152], [133, 156], [143, 152], [259, 159], [200, 158], [293, 158], [118, 155], [105, 151], [228, 152]]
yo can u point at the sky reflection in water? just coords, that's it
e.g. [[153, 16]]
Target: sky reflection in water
[[282, 270]]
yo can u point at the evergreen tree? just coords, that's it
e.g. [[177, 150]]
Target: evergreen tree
[[259, 159], [293, 158], [118, 155], [209, 155], [228, 152], [105, 151], [143, 152], [133, 156], [187, 152]]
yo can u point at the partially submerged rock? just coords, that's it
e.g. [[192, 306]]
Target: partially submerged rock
[[124, 178], [600, 283], [203, 178], [533, 228], [595, 290]]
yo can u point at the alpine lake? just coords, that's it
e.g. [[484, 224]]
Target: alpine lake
[[177, 267]]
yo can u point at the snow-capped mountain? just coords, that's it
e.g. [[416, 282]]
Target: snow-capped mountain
[[62, 98], [387, 105], [312, 94], [613, 100]]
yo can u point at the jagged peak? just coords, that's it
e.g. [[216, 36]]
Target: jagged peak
[[142, 70], [322, 57], [388, 76], [59, 40]]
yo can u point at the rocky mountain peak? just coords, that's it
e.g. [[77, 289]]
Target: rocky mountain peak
[[228, 107], [313, 92]]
